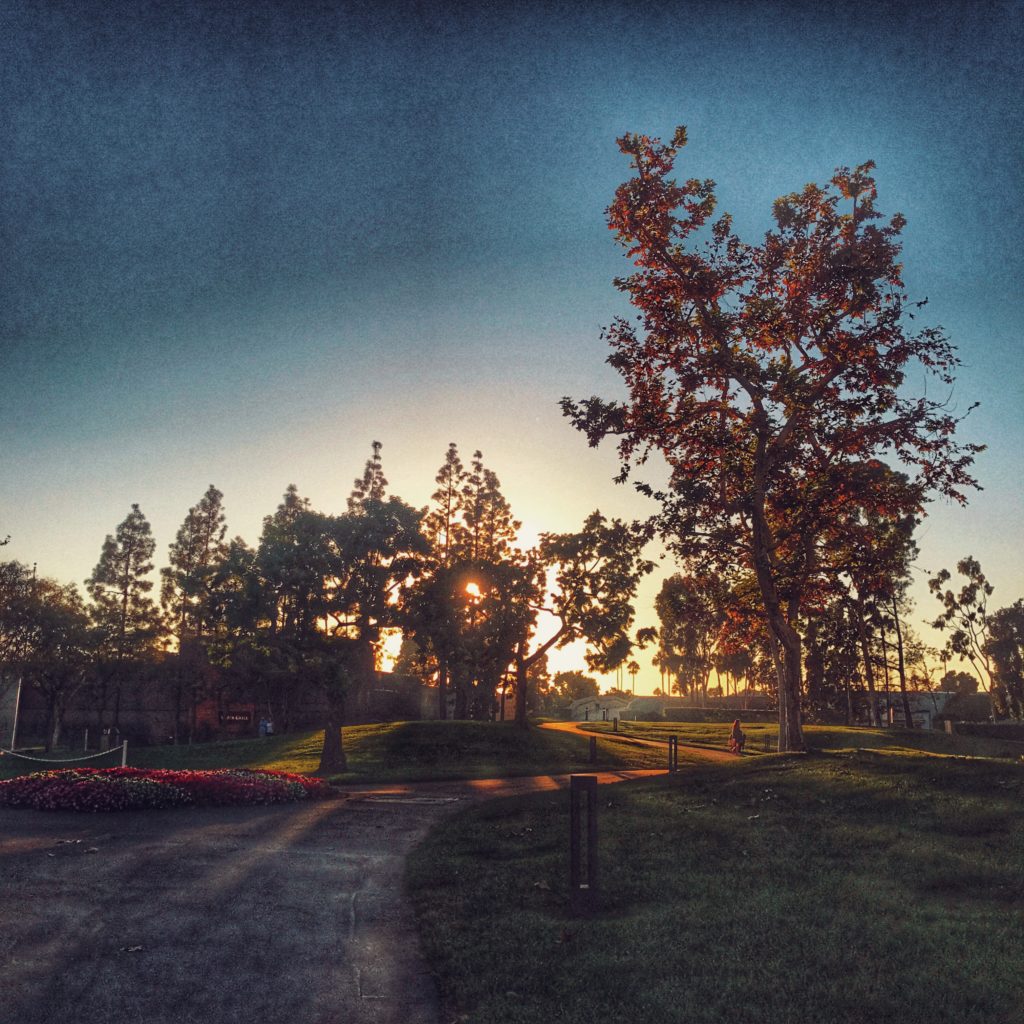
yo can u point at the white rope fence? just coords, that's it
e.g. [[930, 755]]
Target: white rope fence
[[68, 760]]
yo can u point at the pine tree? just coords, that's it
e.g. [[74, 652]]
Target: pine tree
[[119, 588], [193, 558], [122, 609], [372, 484], [186, 595], [442, 524]]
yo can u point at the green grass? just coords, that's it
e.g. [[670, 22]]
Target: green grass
[[406, 751], [865, 886], [820, 737]]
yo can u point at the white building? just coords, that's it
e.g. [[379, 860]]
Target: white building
[[597, 709]]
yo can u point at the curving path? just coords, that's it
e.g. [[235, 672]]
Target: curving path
[[226, 915], [697, 753]]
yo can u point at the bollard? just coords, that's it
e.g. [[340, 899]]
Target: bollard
[[593, 750], [673, 753], [582, 868]]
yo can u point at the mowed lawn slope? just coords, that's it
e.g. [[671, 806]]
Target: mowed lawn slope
[[864, 886], [407, 751], [819, 737]]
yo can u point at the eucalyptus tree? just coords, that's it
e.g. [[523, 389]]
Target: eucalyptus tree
[[16, 619], [988, 641], [1006, 649], [580, 586], [691, 611], [58, 660]]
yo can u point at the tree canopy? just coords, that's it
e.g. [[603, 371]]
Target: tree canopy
[[770, 378]]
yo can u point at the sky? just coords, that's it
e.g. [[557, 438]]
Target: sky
[[241, 241]]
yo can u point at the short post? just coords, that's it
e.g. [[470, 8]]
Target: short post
[[85, 741], [124, 753], [593, 750], [950, 727], [615, 725], [673, 753], [582, 869]]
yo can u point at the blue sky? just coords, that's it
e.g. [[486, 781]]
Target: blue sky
[[242, 241]]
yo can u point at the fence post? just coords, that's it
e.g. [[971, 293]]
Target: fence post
[[582, 870]]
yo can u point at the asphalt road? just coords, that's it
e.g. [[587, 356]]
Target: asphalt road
[[292, 914]]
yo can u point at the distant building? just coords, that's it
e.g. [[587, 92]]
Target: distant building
[[925, 707], [597, 709]]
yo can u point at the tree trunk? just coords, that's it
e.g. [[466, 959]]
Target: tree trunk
[[869, 669], [522, 677], [901, 667], [784, 640], [791, 733], [885, 671], [442, 686], [332, 757], [461, 699], [57, 714]]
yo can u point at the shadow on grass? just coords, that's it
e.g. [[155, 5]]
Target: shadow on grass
[[753, 885], [402, 751]]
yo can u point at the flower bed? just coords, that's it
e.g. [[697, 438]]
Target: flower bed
[[127, 789]]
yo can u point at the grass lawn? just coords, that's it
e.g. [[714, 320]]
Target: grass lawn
[[819, 737], [841, 887], [406, 751]]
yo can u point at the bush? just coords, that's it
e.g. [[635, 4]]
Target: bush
[[127, 789]]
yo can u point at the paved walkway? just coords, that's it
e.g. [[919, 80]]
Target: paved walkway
[[222, 915], [699, 753]]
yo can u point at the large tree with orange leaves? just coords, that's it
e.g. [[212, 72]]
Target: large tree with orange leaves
[[770, 377]]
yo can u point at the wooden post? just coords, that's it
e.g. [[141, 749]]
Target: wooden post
[[582, 870], [615, 724], [593, 750], [673, 753]]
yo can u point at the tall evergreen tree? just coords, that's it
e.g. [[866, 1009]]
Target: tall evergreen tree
[[372, 484], [119, 587], [442, 523], [193, 558], [490, 531], [186, 594]]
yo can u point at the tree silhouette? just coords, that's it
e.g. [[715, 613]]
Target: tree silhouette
[[127, 618], [762, 374]]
